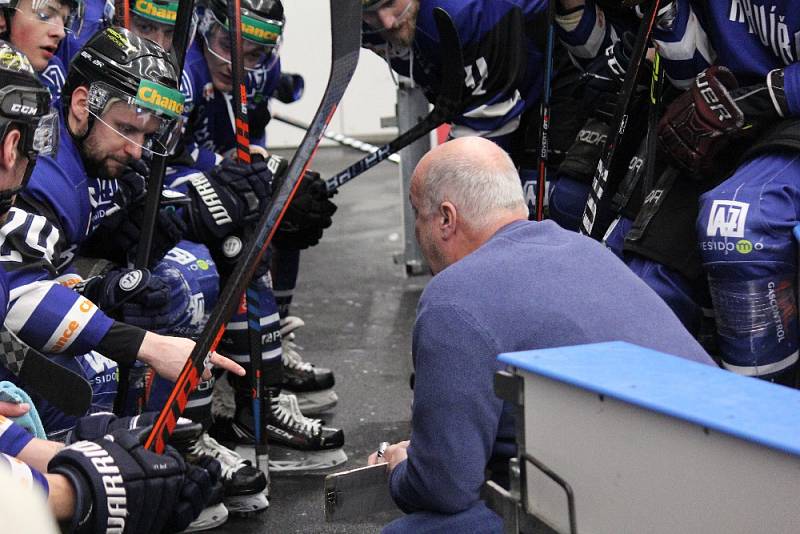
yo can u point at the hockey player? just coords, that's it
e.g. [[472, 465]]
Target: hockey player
[[104, 127], [207, 83], [74, 485], [501, 96], [745, 239], [750, 97], [37, 28], [105, 480]]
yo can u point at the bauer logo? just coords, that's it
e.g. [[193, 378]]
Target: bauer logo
[[130, 280], [160, 98], [727, 218]]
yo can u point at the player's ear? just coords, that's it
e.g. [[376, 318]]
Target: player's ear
[[79, 110], [448, 219], [10, 152]]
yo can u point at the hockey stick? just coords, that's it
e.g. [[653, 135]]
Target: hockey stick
[[598, 212], [337, 137], [61, 387], [345, 47], [242, 127], [447, 106], [180, 42], [544, 130]]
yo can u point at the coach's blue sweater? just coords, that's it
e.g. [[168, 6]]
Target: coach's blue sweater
[[532, 285]]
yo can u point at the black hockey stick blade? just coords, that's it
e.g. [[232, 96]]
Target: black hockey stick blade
[[61, 387], [447, 106], [597, 214], [345, 48]]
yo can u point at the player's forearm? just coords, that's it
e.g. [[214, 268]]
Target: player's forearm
[[38, 452], [61, 498]]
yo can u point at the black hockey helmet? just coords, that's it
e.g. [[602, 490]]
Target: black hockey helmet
[[263, 22], [71, 24], [24, 106], [117, 65]]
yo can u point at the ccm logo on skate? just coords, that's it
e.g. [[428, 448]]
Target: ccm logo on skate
[[211, 200], [116, 498]]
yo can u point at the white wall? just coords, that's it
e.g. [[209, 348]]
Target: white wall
[[306, 50]]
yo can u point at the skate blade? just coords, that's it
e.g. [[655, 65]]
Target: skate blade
[[244, 505], [315, 402], [288, 462], [211, 517]]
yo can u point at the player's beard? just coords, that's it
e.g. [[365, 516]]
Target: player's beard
[[97, 164], [402, 35]]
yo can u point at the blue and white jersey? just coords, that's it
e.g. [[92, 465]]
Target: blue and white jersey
[[750, 37], [96, 16], [37, 246], [210, 125], [53, 77], [13, 438], [492, 111]]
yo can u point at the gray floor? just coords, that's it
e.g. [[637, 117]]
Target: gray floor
[[359, 310]]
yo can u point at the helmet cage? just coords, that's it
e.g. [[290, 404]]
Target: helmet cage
[[152, 101]]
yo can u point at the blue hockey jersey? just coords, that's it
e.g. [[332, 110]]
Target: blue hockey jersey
[[37, 246], [493, 110], [210, 121]]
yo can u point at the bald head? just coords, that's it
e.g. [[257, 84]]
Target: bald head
[[474, 174]]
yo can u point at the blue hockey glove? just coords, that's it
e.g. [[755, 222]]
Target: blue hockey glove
[[136, 297], [121, 486]]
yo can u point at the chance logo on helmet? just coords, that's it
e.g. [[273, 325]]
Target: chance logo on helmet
[[165, 12], [160, 98]]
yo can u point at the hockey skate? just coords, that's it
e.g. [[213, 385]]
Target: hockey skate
[[212, 516], [297, 444], [244, 484], [312, 385]]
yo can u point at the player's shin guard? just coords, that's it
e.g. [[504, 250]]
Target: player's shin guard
[[285, 268], [757, 323]]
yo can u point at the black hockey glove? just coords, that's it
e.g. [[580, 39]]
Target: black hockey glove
[[603, 79], [580, 162], [227, 199], [309, 213], [122, 487], [95, 426], [290, 88], [135, 297], [118, 235]]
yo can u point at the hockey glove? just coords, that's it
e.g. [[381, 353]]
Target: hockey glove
[[603, 79], [290, 88], [95, 426], [121, 486], [701, 123], [309, 213], [228, 198], [136, 297], [117, 238]]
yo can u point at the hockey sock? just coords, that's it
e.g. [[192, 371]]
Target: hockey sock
[[285, 268]]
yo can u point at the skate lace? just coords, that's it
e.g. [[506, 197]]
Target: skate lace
[[291, 356], [288, 412], [228, 459]]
